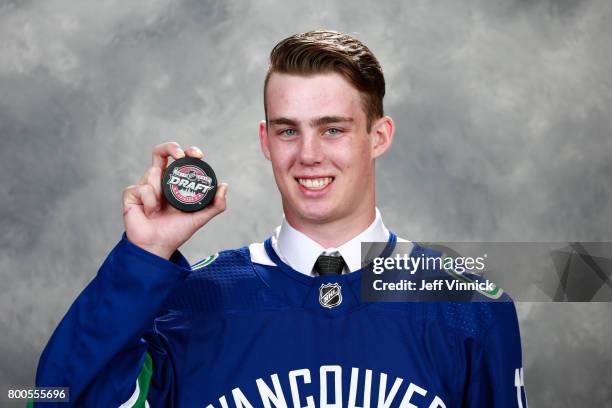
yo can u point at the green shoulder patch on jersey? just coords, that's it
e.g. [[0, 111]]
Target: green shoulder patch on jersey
[[494, 293], [205, 262]]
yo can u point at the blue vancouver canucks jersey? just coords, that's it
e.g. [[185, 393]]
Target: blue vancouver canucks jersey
[[229, 332]]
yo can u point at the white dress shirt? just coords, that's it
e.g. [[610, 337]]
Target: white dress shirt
[[300, 252]]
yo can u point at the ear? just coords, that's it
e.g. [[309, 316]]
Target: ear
[[263, 139], [382, 133]]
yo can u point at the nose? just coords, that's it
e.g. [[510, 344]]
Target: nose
[[311, 150]]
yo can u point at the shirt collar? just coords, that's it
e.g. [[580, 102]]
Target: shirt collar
[[300, 252]]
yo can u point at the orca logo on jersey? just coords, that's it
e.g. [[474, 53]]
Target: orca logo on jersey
[[330, 295]]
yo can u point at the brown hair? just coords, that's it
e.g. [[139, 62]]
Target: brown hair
[[317, 52]]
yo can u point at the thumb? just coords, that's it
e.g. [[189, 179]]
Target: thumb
[[220, 201], [217, 206]]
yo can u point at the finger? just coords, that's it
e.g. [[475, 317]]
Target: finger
[[219, 205], [148, 198], [153, 176], [220, 200], [194, 151], [161, 152], [155, 179], [131, 196]]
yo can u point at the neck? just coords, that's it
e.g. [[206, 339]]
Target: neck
[[333, 233]]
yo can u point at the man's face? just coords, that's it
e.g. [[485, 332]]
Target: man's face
[[321, 152]]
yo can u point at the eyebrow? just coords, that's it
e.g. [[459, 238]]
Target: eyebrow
[[324, 120]]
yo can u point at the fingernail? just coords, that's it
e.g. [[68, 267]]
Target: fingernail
[[180, 152], [197, 150]]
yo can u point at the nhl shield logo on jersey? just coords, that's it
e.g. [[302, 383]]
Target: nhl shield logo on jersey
[[330, 295]]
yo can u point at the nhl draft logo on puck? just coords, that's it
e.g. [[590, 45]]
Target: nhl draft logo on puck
[[189, 184], [330, 295]]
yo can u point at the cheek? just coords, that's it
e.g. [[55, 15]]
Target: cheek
[[282, 158], [357, 167], [352, 157]]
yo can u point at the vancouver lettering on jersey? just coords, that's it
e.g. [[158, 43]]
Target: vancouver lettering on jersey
[[398, 393]]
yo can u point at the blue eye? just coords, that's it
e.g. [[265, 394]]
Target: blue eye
[[333, 131], [288, 132]]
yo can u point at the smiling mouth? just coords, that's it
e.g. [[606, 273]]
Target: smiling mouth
[[315, 183]]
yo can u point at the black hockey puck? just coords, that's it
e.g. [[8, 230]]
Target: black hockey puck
[[189, 184]]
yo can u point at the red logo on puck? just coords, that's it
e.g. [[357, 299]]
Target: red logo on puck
[[189, 184]]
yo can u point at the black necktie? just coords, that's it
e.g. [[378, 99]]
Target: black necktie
[[329, 265]]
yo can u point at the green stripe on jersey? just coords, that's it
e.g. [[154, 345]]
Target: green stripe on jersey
[[205, 262], [144, 380]]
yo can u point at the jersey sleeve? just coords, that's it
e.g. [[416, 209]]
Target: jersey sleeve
[[495, 373], [106, 349]]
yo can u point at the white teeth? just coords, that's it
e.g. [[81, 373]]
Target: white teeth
[[315, 184]]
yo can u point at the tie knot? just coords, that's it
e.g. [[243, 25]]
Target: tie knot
[[329, 265]]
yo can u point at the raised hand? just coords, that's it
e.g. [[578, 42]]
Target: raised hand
[[149, 221]]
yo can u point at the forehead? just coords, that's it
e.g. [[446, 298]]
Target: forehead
[[305, 97]]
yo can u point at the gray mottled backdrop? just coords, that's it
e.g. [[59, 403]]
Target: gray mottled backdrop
[[503, 110]]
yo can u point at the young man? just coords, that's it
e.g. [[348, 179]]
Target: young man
[[252, 327]]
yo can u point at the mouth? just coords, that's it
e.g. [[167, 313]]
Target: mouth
[[314, 183]]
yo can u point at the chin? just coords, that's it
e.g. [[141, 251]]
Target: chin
[[317, 213], [312, 210]]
